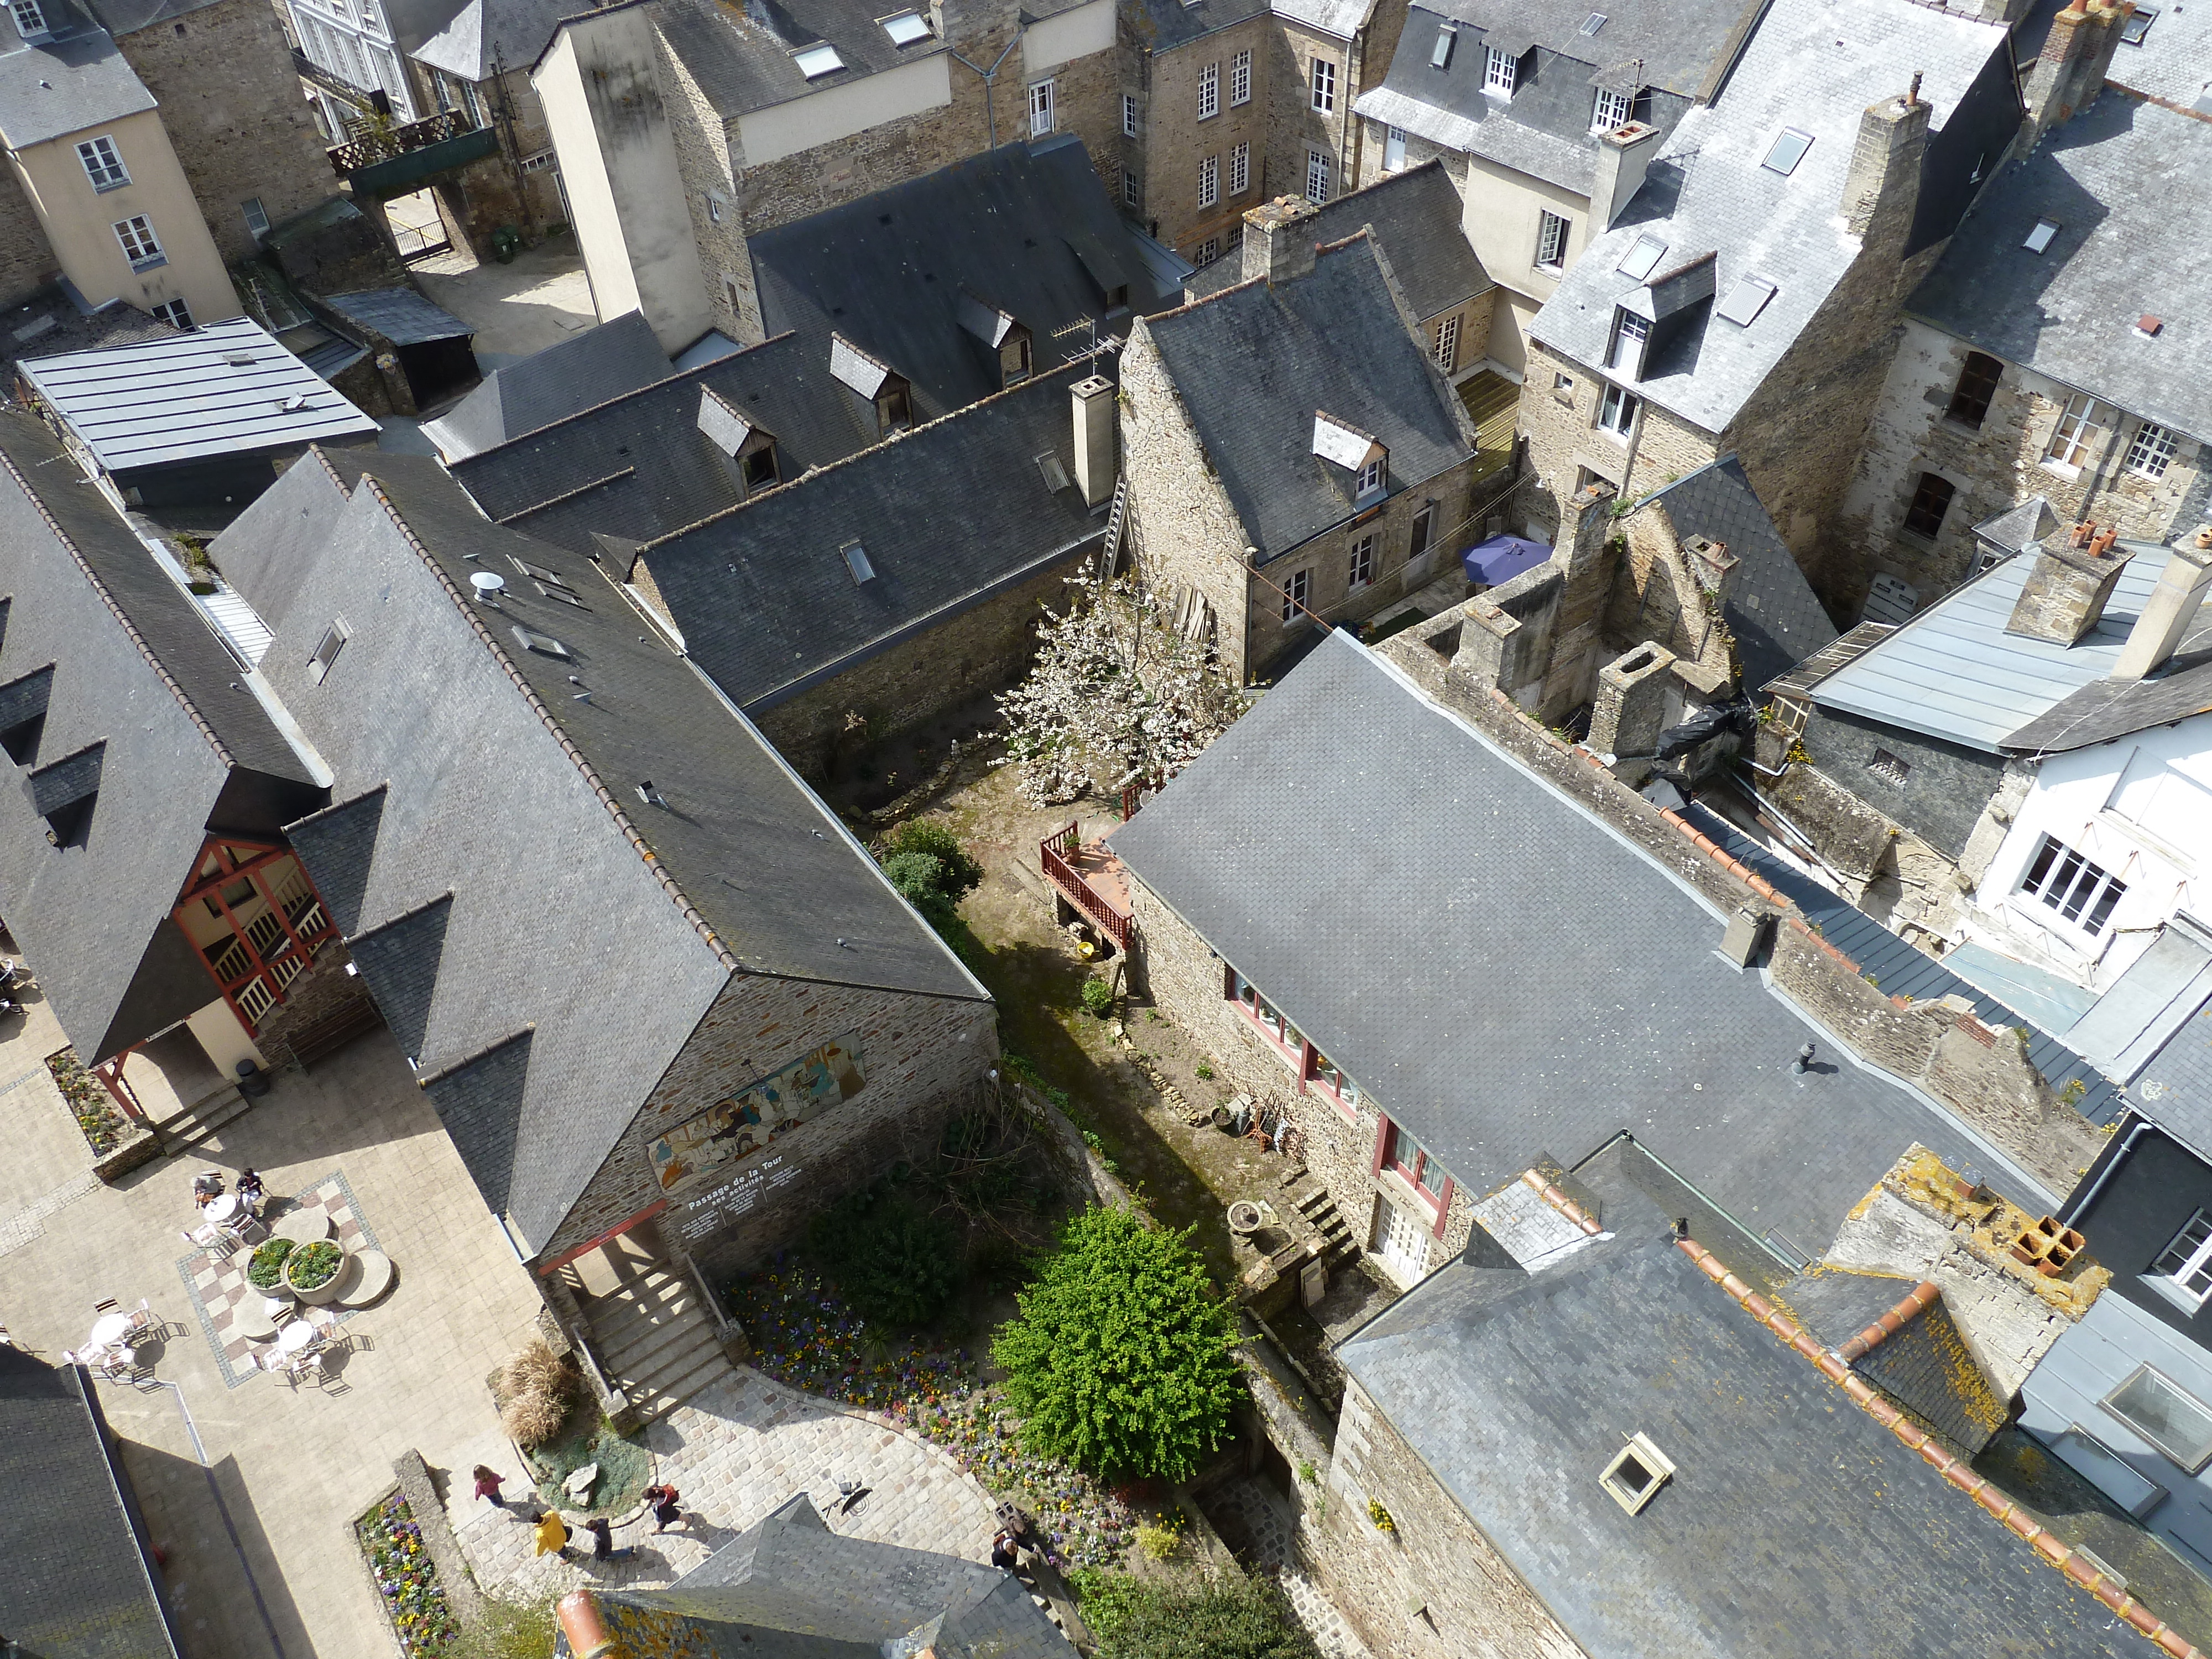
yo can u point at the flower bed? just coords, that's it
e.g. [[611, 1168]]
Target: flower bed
[[407, 1579], [806, 1338], [265, 1269], [312, 1265], [92, 1106]]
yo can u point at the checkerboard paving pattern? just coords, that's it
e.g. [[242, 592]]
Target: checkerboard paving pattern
[[218, 1284]]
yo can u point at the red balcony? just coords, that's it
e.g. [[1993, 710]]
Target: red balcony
[[1088, 876]]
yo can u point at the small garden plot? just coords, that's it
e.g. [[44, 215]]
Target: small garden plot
[[407, 1579]]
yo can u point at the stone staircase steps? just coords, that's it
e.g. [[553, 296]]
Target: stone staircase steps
[[657, 1344], [193, 1128], [1315, 1205]]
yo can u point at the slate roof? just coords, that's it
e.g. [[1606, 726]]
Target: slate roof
[[637, 466], [485, 33], [1707, 191], [949, 515], [1794, 1521], [76, 1574], [1952, 671], [400, 315], [1163, 25], [184, 744], [1026, 228], [180, 398], [2173, 59], [1925, 1366], [1333, 340], [581, 372], [1341, 18], [1415, 216], [2174, 1088], [789, 1587], [1675, 50], [74, 79], [1771, 609], [550, 901], [1499, 973]]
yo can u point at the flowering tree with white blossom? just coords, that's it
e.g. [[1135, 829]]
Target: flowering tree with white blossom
[[1116, 696]]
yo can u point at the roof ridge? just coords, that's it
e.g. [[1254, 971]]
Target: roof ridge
[[409, 912], [668, 882], [565, 495], [1921, 1297], [336, 807], [2089, 1574], [129, 628], [1559, 1201]]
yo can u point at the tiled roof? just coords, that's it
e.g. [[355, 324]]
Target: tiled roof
[[593, 367], [77, 78]]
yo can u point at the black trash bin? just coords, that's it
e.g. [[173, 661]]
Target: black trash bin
[[250, 1083]]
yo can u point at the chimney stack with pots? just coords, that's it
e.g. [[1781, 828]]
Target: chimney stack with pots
[[2170, 610], [1095, 438], [1882, 186], [1279, 240], [2069, 71], [2066, 591]]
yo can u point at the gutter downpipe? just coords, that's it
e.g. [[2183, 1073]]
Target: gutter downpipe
[[2116, 1157], [990, 78]]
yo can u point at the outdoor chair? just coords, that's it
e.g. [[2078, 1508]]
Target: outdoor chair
[[210, 1237], [143, 1322], [245, 1228], [108, 1306]]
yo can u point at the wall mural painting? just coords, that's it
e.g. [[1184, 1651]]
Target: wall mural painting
[[735, 1128]]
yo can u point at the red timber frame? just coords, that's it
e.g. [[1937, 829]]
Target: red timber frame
[[238, 858]]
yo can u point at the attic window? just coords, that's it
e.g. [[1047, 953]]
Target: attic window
[[555, 591], [2041, 237], [544, 644], [63, 794], [817, 61], [2136, 27], [1594, 22], [856, 561], [1745, 300], [536, 573], [906, 28], [1371, 477], [1055, 475], [2173, 1419], [30, 19], [326, 651], [1642, 259], [23, 714], [1787, 150], [1440, 55], [1636, 1472]]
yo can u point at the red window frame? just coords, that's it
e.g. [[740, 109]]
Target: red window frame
[[1349, 1105], [1303, 1055], [1388, 1155]]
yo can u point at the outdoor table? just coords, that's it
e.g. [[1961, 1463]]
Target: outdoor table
[[221, 1208], [110, 1330], [295, 1336], [305, 1226], [258, 1324]]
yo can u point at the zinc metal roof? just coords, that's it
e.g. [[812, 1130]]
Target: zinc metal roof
[[1953, 672], [181, 398]]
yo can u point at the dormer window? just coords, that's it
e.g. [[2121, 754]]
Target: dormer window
[[1361, 454], [1625, 350], [1500, 70], [874, 380], [893, 413], [1370, 479], [748, 449], [756, 467], [23, 714], [63, 794], [30, 19], [1612, 110]]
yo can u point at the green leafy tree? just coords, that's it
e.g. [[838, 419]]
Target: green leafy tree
[[931, 869], [1120, 1360], [1223, 1618]]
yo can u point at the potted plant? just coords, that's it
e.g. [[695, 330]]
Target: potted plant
[[265, 1269], [313, 1272]]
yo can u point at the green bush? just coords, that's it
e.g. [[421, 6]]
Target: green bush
[[265, 1269], [313, 1265], [1120, 1362], [1226, 1618], [931, 869], [1099, 996], [891, 1262]]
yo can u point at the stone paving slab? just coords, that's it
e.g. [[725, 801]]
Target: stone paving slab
[[735, 1452]]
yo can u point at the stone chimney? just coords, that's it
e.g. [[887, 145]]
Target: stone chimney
[[1631, 710], [1883, 185], [1623, 155], [1279, 242], [2065, 593], [2170, 610], [2070, 70], [1095, 437]]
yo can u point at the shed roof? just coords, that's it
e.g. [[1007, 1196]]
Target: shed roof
[[225, 389], [75, 79], [1500, 974], [401, 315], [579, 373]]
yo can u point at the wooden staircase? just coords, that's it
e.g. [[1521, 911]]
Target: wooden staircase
[[654, 1340]]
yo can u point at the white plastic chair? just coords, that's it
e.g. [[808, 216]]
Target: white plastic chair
[[211, 1237], [143, 1322]]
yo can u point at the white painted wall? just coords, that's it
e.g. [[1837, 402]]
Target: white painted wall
[[1071, 35], [913, 88], [2142, 808], [1499, 214]]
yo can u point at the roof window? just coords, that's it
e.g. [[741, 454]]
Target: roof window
[[1594, 22], [818, 60], [905, 28], [326, 651], [1787, 150], [1636, 1472], [544, 644], [2168, 1416], [2041, 237], [1055, 475], [856, 561], [1642, 259], [536, 573], [1440, 55], [556, 590], [1745, 300], [2136, 27]]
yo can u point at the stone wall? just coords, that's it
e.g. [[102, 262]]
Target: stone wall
[[981, 649], [26, 263], [919, 1054], [1176, 140], [231, 102], [704, 161], [1295, 126]]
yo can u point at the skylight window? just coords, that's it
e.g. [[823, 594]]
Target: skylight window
[[1643, 257], [1636, 1472], [1594, 22], [2041, 237], [1745, 300], [907, 28], [1787, 151], [544, 644], [2138, 26], [856, 561], [1440, 54], [1055, 475], [816, 61]]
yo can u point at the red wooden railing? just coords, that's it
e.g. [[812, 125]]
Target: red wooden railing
[[1055, 850]]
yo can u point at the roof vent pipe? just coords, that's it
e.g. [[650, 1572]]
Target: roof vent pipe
[[2172, 607], [488, 586]]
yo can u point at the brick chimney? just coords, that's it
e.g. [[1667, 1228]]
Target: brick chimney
[[2172, 607], [2065, 593], [2070, 70], [1094, 417], [1279, 242], [1623, 155], [1883, 185]]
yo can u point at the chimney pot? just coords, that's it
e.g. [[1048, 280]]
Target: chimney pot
[[1912, 92], [2150, 324], [2066, 590]]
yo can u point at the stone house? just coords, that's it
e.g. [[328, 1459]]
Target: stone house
[[1546, 118], [1342, 485], [1754, 312], [681, 128], [2012, 383]]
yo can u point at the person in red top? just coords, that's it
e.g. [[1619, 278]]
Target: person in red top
[[487, 1484], [665, 1512]]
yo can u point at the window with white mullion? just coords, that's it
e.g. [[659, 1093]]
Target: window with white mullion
[[1240, 169], [2081, 423], [1611, 111], [2152, 449], [1209, 181], [2081, 892], [1317, 175], [1240, 79], [1209, 92], [1324, 86], [101, 164], [1499, 71], [2188, 1261]]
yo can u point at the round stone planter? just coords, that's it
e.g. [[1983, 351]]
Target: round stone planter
[[328, 1291]]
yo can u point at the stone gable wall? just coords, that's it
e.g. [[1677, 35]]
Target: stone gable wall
[[1177, 141]]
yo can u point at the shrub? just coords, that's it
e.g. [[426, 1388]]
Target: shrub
[[1233, 1617], [531, 1419], [891, 1263], [534, 1368], [1204, 1072], [265, 1269], [312, 1265], [1119, 1362], [1099, 996], [537, 1387], [931, 869]]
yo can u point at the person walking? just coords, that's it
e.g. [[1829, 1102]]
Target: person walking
[[665, 1512], [552, 1534], [602, 1541], [1003, 1554], [487, 1484]]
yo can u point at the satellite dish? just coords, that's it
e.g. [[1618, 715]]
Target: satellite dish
[[487, 585]]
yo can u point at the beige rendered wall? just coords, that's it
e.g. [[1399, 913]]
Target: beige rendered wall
[[79, 221], [1499, 214]]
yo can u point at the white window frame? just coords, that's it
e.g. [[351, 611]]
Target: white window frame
[[1447, 351], [1297, 590], [1617, 409], [103, 163], [2075, 433], [1318, 176], [1393, 149], [1240, 169], [1611, 111], [176, 313], [1041, 107], [1324, 86], [1209, 92], [141, 247], [256, 216], [1128, 115], [1552, 230], [1401, 1242], [2069, 890], [1360, 572], [1500, 70], [1128, 186], [1370, 478], [2183, 1272], [1206, 252], [30, 19], [2152, 451], [1631, 334], [1240, 79], [1209, 181]]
